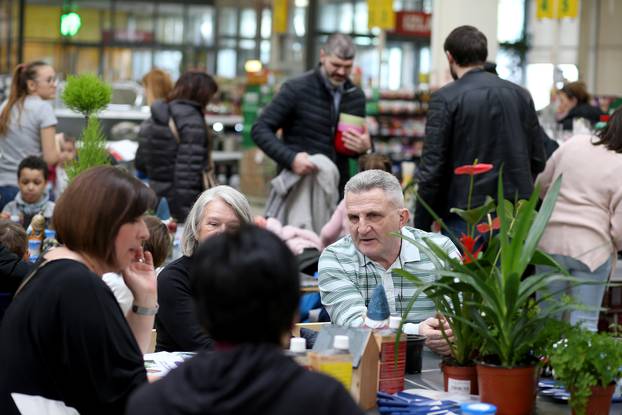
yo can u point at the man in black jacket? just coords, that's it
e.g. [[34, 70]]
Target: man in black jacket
[[307, 109], [478, 117]]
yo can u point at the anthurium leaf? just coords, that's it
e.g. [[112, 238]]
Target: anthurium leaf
[[475, 215]]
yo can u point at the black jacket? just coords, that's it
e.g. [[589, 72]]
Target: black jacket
[[590, 113], [303, 108], [174, 171], [13, 270], [252, 379], [479, 116]]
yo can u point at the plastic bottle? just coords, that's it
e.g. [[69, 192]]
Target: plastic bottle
[[298, 351], [391, 372], [336, 362], [35, 236]]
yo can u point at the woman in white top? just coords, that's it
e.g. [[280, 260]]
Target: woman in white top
[[585, 230], [27, 123]]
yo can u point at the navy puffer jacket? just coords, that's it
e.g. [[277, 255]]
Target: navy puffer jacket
[[174, 170]]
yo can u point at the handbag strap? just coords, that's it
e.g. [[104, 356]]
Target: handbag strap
[[40, 263], [208, 159]]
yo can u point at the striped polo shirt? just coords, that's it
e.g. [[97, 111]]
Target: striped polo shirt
[[347, 278]]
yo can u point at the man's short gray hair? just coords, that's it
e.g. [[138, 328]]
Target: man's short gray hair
[[236, 201], [377, 179], [340, 45]]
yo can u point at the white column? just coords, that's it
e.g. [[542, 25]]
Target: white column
[[449, 14]]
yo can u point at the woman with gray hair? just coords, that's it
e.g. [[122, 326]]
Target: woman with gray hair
[[219, 209]]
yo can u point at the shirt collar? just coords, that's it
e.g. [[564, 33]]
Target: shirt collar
[[408, 252]]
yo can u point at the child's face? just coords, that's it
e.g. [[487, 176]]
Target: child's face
[[31, 184], [67, 152]]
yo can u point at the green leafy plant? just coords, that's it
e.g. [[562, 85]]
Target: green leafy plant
[[583, 359], [92, 151], [485, 292], [88, 94]]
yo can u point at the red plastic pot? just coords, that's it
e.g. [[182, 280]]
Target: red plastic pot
[[599, 402], [512, 391], [460, 379]]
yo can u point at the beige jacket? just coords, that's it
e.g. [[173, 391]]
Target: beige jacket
[[587, 220]]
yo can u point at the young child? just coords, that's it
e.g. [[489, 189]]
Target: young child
[[158, 243], [32, 198], [67, 155], [14, 266]]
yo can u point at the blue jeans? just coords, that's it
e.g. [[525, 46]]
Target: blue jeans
[[7, 194], [590, 296]]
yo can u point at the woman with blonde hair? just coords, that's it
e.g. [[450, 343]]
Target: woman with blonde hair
[[27, 123], [157, 84]]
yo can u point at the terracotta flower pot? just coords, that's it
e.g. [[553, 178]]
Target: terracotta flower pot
[[512, 391], [460, 379], [599, 402]]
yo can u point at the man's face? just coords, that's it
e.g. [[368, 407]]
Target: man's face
[[371, 217], [337, 70]]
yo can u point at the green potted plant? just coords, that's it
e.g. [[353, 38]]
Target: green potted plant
[[497, 302], [588, 365], [87, 94]]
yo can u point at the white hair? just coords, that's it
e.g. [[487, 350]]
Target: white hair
[[377, 179], [340, 45], [236, 200]]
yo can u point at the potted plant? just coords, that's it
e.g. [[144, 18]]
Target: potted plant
[[588, 365], [496, 301]]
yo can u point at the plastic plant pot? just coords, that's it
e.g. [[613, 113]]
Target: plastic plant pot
[[414, 347]]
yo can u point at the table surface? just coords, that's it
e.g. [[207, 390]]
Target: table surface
[[431, 378]]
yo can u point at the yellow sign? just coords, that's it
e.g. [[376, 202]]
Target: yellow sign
[[380, 14], [279, 16], [557, 9], [545, 9], [567, 8]]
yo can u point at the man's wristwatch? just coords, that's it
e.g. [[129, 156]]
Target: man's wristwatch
[[145, 311]]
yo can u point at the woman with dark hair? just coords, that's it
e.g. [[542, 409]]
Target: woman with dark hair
[[64, 342], [574, 102], [585, 231], [27, 123], [174, 148]]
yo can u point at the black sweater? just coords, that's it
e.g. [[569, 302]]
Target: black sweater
[[177, 326], [303, 108]]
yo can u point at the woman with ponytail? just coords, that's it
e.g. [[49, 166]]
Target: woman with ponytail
[[27, 123]]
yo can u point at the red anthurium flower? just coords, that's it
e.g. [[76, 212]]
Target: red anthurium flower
[[473, 169], [468, 242], [485, 227]]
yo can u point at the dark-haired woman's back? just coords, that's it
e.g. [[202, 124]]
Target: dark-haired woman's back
[[175, 169]]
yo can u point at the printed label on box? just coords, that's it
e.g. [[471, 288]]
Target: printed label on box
[[459, 386]]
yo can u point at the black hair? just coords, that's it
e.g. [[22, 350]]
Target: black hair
[[34, 163], [611, 135], [467, 45], [242, 276]]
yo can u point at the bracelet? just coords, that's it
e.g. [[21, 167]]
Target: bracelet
[[145, 311]]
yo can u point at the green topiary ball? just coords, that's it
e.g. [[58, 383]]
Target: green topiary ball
[[86, 94]]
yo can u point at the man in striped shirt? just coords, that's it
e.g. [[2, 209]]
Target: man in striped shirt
[[352, 267]]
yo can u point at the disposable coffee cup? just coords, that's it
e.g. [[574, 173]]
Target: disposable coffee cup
[[347, 122]]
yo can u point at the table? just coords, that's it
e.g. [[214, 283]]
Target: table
[[431, 378]]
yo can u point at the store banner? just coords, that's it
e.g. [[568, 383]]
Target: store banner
[[380, 14], [413, 24], [279, 16], [545, 9], [568, 8]]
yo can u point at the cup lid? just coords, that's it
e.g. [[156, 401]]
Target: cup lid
[[478, 408]]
